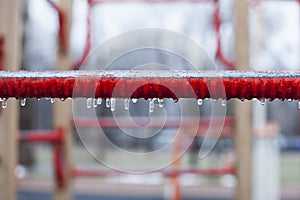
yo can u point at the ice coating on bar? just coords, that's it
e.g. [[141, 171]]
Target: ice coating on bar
[[150, 74]]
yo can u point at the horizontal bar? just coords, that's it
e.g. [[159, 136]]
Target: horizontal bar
[[148, 1], [166, 172], [186, 123], [41, 136], [151, 84]]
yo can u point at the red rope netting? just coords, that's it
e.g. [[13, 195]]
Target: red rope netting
[[2, 52], [62, 34], [217, 24]]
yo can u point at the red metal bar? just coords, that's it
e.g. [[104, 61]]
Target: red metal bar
[[56, 138], [203, 124], [151, 84], [58, 165], [51, 136], [147, 1], [166, 172]]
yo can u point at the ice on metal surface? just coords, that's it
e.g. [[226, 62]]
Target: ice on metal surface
[[112, 104], [200, 102], [150, 74], [4, 102], [107, 103], [23, 102], [160, 102], [151, 105], [89, 102], [126, 103]]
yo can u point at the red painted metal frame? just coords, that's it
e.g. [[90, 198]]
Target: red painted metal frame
[[151, 84], [55, 138], [108, 122], [41, 136], [166, 172]]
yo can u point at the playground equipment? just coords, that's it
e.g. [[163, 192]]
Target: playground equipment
[[103, 84]]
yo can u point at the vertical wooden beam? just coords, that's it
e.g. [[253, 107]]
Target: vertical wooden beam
[[10, 29], [242, 110], [63, 110]]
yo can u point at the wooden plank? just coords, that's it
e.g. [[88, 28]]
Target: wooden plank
[[10, 29], [63, 110], [242, 110]]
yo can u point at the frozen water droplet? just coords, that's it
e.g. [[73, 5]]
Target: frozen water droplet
[[1, 99], [99, 101], [215, 100], [160, 102], [263, 101], [52, 100], [4, 103], [134, 100], [62, 99], [298, 104], [200, 102], [223, 102], [107, 103], [175, 100], [112, 104], [151, 105], [38, 99], [126, 103], [242, 99], [290, 100], [89, 102], [23, 102], [95, 103]]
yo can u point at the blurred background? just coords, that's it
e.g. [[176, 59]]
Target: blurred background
[[274, 28]]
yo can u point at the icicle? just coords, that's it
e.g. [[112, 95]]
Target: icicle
[[134, 100], [160, 102], [4, 103], [223, 102], [23, 102], [112, 104], [89, 102], [95, 103], [107, 103], [200, 102], [263, 101], [151, 105], [52, 100], [99, 101], [126, 103]]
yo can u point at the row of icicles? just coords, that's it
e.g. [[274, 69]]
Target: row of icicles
[[111, 102]]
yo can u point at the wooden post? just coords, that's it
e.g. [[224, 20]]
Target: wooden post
[[242, 110], [63, 110], [10, 29]]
